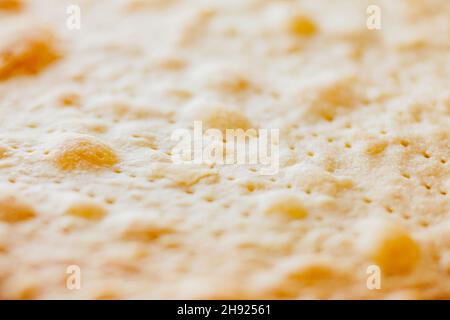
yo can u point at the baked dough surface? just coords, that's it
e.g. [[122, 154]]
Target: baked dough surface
[[86, 176]]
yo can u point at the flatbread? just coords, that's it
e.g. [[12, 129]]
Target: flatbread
[[359, 206]]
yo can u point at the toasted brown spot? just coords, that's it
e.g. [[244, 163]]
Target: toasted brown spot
[[173, 64], [138, 5], [233, 84], [89, 211], [393, 249], [289, 207], [70, 99], [376, 147], [3, 152], [145, 233], [223, 118], [302, 26]]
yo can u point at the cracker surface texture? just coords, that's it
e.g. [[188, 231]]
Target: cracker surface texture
[[87, 178]]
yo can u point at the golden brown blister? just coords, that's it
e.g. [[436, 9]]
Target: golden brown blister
[[11, 5], [84, 152], [13, 210], [28, 55]]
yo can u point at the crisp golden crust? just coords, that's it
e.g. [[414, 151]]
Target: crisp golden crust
[[86, 171]]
